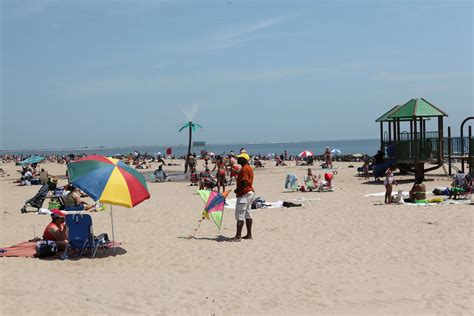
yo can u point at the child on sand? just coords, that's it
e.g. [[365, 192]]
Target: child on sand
[[389, 182]]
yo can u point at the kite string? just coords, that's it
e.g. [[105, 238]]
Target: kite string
[[196, 230]]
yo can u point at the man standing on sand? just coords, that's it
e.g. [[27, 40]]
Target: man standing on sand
[[245, 195]]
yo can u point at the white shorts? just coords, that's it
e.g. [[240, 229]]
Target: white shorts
[[243, 206]]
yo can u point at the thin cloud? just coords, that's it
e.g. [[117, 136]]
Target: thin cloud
[[230, 37], [391, 76]]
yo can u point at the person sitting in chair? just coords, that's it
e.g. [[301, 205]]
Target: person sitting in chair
[[461, 183], [205, 179], [57, 230], [311, 181], [73, 201], [418, 191], [43, 176]]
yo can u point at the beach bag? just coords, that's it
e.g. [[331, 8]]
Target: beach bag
[[290, 204], [258, 203], [46, 248], [441, 191]]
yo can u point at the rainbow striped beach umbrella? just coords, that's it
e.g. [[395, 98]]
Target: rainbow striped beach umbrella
[[108, 180]]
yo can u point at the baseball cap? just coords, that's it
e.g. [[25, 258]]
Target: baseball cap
[[244, 155], [55, 213]]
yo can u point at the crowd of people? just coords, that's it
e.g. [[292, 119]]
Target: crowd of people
[[217, 172]]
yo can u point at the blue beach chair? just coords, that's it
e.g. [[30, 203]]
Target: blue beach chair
[[81, 236]]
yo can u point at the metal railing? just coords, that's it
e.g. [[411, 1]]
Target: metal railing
[[422, 150], [428, 148], [409, 136]]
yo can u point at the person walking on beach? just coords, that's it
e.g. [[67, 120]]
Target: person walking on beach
[[221, 173], [245, 195], [389, 182], [328, 158]]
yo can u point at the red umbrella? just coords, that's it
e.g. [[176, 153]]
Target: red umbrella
[[306, 153]]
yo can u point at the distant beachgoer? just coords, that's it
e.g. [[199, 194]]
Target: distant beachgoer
[[28, 174], [365, 169], [242, 150], [221, 173], [257, 163], [205, 179], [389, 182], [245, 196], [191, 162], [378, 157], [43, 176], [328, 158]]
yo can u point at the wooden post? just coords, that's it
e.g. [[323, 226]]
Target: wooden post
[[398, 129], [395, 132], [440, 140], [449, 151], [462, 150], [411, 137], [415, 140], [470, 150], [381, 136], [389, 132]]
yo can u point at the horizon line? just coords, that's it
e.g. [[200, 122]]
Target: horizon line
[[177, 145]]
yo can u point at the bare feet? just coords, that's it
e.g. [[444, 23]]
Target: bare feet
[[247, 237], [236, 239]]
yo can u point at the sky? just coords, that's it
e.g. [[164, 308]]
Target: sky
[[115, 73]]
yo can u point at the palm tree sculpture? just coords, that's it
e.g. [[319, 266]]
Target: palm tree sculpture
[[192, 127]]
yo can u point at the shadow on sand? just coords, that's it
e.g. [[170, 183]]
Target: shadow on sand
[[219, 238]]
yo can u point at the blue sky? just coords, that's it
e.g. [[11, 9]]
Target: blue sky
[[90, 73]]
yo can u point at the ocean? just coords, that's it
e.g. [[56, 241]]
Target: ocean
[[347, 147]]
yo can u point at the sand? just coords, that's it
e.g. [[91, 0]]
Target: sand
[[341, 253]]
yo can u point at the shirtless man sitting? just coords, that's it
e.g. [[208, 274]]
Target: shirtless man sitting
[[418, 191]]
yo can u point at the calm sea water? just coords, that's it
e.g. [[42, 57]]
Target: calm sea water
[[363, 146]]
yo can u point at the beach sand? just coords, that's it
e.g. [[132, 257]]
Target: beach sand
[[341, 253]]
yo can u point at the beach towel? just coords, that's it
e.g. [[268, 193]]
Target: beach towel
[[230, 204], [24, 250], [27, 249], [383, 194]]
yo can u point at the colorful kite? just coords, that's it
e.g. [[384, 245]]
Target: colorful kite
[[214, 205]]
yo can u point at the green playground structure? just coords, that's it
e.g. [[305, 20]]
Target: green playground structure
[[416, 149]]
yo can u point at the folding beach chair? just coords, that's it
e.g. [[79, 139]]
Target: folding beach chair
[[291, 182], [81, 236]]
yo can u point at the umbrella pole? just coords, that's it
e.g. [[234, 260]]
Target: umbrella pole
[[113, 233]]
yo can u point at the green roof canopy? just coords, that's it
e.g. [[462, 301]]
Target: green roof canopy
[[387, 116], [384, 117], [414, 108]]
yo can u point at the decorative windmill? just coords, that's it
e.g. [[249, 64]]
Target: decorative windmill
[[192, 128]]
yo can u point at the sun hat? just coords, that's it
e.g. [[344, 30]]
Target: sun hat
[[55, 213], [244, 155]]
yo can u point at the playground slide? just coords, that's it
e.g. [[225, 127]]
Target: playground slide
[[379, 169]]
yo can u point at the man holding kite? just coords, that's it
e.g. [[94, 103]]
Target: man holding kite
[[245, 196]]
